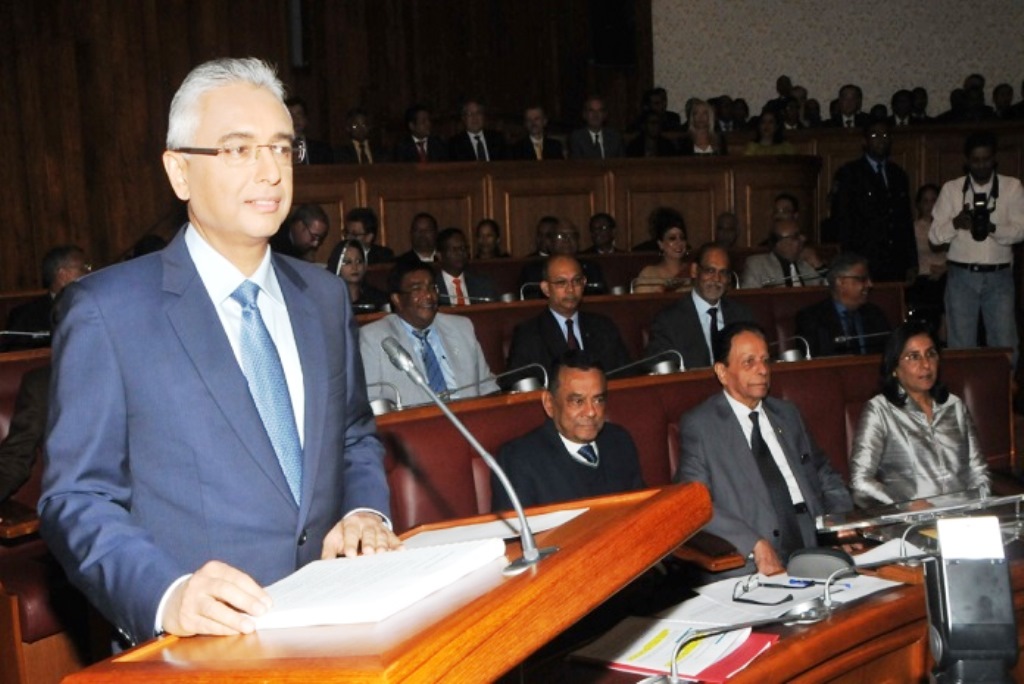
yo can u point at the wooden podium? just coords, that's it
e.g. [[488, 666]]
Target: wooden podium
[[473, 631]]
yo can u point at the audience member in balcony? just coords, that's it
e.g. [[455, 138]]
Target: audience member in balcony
[[879, 112], [768, 478], [926, 297], [919, 106], [602, 235], [317, 151], [596, 140], [360, 224], [902, 109], [576, 453], [981, 239], [456, 284], [791, 120], [564, 239], [725, 112], [915, 439], [702, 138], [61, 266], [783, 91], [656, 100], [352, 269], [769, 139], [302, 233], [488, 240], [727, 230], [672, 273], [783, 266], [537, 145], [543, 235], [871, 209], [563, 326], [423, 236], [360, 149], [1002, 102], [420, 145], [1018, 109], [691, 324], [849, 114], [24, 439], [957, 107], [741, 115], [812, 114], [845, 322], [475, 143], [444, 347], [166, 498], [650, 142]]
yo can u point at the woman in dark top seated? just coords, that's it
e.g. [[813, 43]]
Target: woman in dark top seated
[[915, 439], [488, 240], [352, 269]]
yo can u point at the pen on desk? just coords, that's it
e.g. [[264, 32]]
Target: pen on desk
[[803, 584]]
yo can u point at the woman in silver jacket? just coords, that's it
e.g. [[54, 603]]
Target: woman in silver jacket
[[915, 439]]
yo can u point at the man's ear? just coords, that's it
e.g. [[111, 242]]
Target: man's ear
[[694, 267], [175, 168], [548, 401], [545, 287], [393, 297], [720, 372]]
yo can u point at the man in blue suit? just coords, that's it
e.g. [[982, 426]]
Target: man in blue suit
[[165, 497]]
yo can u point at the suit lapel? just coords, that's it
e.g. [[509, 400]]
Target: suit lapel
[[786, 434], [696, 344], [195, 321], [551, 334]]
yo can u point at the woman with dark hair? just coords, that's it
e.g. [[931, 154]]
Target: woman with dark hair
[[487, 240], [352, 269], [671, 273], [769, 139], [915, 439]]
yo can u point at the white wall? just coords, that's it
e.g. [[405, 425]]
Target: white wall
[[705, 48]]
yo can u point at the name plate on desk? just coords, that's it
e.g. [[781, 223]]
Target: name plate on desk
[[916, 510]]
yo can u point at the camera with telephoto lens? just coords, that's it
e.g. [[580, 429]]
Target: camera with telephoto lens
[[981, 223]]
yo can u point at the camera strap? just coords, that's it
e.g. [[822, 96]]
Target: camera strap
[[993, 196]]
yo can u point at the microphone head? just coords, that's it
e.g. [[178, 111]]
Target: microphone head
[[397, 354]]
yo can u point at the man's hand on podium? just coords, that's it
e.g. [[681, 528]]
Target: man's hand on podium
[[215, 599], [361, 532]]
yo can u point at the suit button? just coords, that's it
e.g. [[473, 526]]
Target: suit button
[[302, 537], [775, 533]]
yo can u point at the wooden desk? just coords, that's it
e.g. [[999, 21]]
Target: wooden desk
[[471, 632], [17, 520]]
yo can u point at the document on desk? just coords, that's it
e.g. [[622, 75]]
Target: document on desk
[[371, 588]]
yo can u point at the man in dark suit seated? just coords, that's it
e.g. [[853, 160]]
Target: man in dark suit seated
[[536, 145], [851, 99], [563, 326], [768, 479], [564, 239], [690, 325], [456, 284], [845, 322], [302, 233], [575, 453], [360, 224], [602, 235], [359, 149], [475, 143], [423, 236], [61, 266], [317, 151], [596, 140], [28, 427], [420, 145]]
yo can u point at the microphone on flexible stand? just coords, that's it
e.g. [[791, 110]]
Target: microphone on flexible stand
[[663, 368], [518, 386], [846, 339], [793, 354], [401, 360], [39, 335], [451, 299], [382, 405], [522, 289], [775, 282]]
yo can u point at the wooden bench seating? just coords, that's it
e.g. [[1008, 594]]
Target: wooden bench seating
[[435, 475]]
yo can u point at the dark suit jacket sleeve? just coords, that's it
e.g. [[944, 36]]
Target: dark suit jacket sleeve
[[500, 500], [663, 334], [25, 437], [528, 346]]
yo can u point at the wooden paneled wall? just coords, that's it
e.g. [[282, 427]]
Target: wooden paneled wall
[[85, 88]]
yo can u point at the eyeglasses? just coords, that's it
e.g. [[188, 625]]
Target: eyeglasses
[[916, 357], [565, 236], [562, 283], [744, 587], [245, 154], [315, 237], [875, 136]]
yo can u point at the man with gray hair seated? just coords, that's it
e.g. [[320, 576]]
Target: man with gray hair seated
[[844, 322]]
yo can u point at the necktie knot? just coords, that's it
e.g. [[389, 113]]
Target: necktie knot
[[246, 293], [588, 454]]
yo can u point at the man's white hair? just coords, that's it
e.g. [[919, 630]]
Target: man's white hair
[[184, 116]]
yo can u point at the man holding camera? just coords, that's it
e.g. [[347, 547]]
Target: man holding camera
[[980, 216]]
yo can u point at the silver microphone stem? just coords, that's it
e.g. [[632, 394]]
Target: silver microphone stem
[[447, 394], [522, 289], [40, 335], [398, 396], [531, 554]]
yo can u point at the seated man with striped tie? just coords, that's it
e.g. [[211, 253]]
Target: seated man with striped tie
[[575, 453], [767, 478], [845, 322], [784, 266], [444, 347]]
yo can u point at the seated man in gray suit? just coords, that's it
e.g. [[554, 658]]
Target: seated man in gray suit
[[689, 325], [444, 347], [456, 284], [563, 326], [595, 140], [784, 265], [575, 453], [767, 477]]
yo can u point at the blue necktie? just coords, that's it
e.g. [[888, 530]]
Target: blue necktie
[[268, 387], [588, 454], [435, 377]]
